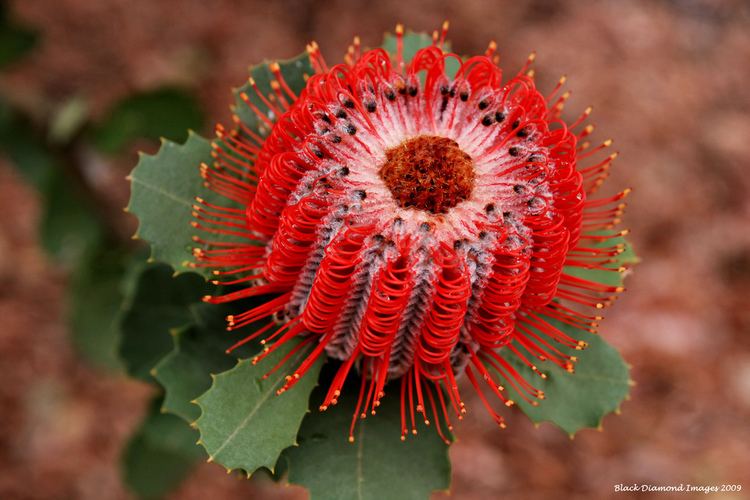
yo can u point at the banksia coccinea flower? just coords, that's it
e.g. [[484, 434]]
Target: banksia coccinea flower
[[412, 223]]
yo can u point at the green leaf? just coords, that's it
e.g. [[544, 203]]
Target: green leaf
[[199, 351], [15, 40], [163, 190], [166, 112], [376, 465], [243, 423], [94, 306], [185, 373], [293, 70], [574, 401], [160, 454], [158, 303]]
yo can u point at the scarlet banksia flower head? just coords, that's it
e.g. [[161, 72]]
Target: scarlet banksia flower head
[[411, 221]]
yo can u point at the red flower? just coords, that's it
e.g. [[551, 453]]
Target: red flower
[[413, 223]]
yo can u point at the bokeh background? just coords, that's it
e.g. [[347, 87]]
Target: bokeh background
[[668, 81]]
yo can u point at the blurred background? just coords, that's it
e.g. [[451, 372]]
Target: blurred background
[[86, 84]]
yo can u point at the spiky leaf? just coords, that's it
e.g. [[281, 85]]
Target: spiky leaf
[[160, 454], [158, 304], [243, 423], [185, 373], [574, 401], [199, 351], [163, 191], [376, 465]]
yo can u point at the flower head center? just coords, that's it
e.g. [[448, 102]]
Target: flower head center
[[429, 173]]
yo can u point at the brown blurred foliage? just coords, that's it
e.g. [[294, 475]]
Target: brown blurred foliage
[[668, 81]]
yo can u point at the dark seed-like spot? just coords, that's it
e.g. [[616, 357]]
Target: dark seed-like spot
[[464, 96], [336, 139], [371, 107], [348, 103], [344, 171], [457, 244], [483, 105], [489, 207], [522, 133], [425, 227], [361, 193], [390, 95], [444, 90], [482, 235], [341, 114], [413, 91], [506, 215], [515, 124], [351, 129], [487, 120], [499, 116], [325, 118], [513, 151], [518, 188]]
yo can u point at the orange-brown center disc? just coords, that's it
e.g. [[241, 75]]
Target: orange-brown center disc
[[429, 173]]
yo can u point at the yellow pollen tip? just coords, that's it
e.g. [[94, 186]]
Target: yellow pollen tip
[[399, 29], [351, 439], [509, 403], [607, 143]]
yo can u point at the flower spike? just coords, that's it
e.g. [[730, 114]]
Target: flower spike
[[413, 224]]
